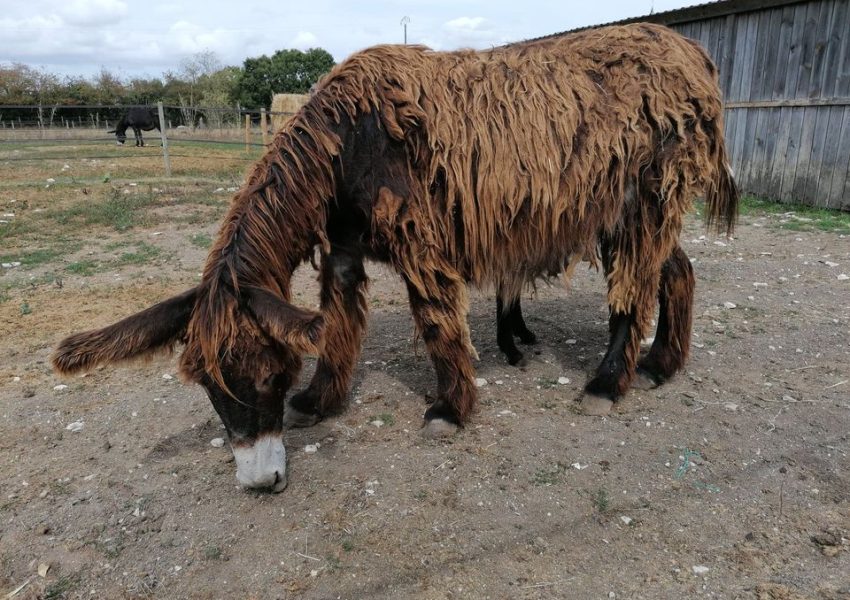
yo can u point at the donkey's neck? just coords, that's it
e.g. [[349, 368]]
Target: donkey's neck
[[281, 213]]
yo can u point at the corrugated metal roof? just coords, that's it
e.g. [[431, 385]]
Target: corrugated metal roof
[[697, 12]]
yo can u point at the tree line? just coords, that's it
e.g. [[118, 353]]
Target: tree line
[[201, 80]]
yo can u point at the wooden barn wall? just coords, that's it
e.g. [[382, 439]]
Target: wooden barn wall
[[785, 73]]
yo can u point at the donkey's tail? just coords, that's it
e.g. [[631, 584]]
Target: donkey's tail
[[112, 131], [721, 194]]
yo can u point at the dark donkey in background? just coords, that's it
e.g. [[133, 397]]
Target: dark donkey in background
[[139, 118], [490, 168]]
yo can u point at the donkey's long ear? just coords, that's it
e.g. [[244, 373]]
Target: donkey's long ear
[[156, 328], [294, 327]]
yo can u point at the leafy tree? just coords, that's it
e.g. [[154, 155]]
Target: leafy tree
[[286, 71]]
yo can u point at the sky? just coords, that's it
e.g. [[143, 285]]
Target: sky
[[145, 38]]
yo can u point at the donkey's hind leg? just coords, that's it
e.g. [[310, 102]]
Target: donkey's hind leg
[[672, 342], [344, 309], [506, 328], [632, 258]]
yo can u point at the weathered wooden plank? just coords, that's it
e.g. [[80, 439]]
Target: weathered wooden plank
[[760, 61], [802, 190], [727, 57], [751, 149], [825, 21], [749, 56], [737, 142], [789, 169], [715, 27], [816, 170], [837, 39], [807, 57], [780, 153], [790, 102], [795, 51], [771, 44], [786, 27], [839, 193], [730, 123], [830, 161], [761, 164], [842, 84], [737, 61]]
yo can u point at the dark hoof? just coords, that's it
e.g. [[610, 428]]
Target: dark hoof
[[602, 387], [294, 418], [645, 381], [438, 428], [517, 360], [527, 337], [596, 406]]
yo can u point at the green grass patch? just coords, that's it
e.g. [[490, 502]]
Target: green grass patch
[[61, 587], [85, 268], [143, 253], [201, 240], [799, 216], [118, 210], [549, 475], [33, 258]]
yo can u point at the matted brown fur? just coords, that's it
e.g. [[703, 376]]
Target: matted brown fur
[[517, 159]]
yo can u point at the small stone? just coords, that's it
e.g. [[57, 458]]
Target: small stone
[[563, 380], [312, 448], [51, 180], [43, 568], [730, 406], [578, 466], [314, 573], [843, 277], [729, 305], [625, 519], [177, 567], [499, 382], [829, 263], [699, 569], [571, 341], [167, 377], [217, 442], [60, 387], [76, 426], [377, 423], [759, 284], [787, 398], [480, 382]]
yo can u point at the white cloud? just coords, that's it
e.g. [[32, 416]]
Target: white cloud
[[464, 23], [472, 32], [303, 41], [90, 13]]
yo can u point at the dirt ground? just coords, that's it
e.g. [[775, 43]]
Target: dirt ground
[[730, 481]]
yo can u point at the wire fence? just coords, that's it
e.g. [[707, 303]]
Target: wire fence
[[71, 126]]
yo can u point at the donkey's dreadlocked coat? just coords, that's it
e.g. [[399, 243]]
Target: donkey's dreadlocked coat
[[489, 167], [501, 165]]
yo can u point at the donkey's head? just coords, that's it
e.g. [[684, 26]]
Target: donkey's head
[[120, 133], [246, 355]]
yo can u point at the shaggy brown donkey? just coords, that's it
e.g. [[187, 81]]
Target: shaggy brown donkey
[[490, 168]]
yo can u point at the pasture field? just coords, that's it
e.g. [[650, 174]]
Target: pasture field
[[730, 481]]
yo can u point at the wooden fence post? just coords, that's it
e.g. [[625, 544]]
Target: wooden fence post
[[247, 133], [164, 139], [264, 126]]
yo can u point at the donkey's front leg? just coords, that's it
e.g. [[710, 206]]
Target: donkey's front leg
[[440, 314], [344, 309]]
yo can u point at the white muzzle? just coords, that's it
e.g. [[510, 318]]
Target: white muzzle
[[262, 465]]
